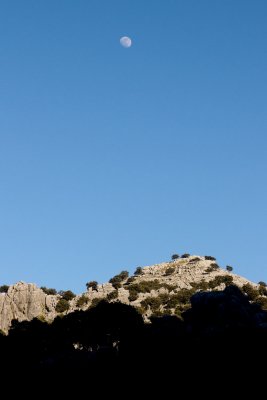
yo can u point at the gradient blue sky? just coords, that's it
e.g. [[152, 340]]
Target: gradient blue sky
[[114, 158]]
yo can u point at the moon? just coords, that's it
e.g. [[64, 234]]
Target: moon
[[125, 41]]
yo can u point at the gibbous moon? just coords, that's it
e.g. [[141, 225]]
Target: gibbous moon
[[125, 41]]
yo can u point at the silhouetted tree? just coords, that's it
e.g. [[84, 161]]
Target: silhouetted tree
[[92, 284], [67, 294], [138, 271], [175, 256], [4, 288], [229, 268], [117, 279]]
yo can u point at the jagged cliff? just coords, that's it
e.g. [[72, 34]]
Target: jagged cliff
[[25, 301]]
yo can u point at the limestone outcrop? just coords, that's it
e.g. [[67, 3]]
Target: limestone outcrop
[[25, 301]]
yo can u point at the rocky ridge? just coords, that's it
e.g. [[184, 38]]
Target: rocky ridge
[[25, 301]]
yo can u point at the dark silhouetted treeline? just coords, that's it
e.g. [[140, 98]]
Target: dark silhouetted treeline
[[220, 336]]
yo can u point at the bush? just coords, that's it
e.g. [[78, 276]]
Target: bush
[[130, 280], [212, 267], [117, 279], [228, 280], [218, 280], [4, 288], [116, 285], [92, 284], [62, 305], [147, 286], [262, 301], [229, 268], [95, 302], [169, 271], [173, 301], [178, 312], [112, 295], [67, 294], [140, 310], [48, 291], [133, 296], [41, 318], [164, 298], [124, 275], [194, 259], [175, 256], [82, 301], [151, 302], [158, 313], [261, 283], [202, 285], [138, 271], [250, 291], [262, 289], [181, 297], [186, 255], [167, 311], [210, 258]]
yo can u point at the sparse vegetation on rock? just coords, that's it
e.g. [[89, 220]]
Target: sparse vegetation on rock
[[151, 302], [130, 280], [195, 259], [262, 302], [95, 302], [82, 301], [210, 258], [169, 271], [251, 292], [262, 290], [212, 267], [218, 280], [4, 288], [157, 290], [92, 284], [117, 279], [185, 255], [49, 291], [66, 294], [62, 305], [112, 295], [138, 271], [202, 285], [133, 295]]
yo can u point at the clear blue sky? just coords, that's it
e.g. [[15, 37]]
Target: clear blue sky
[[113, 158]]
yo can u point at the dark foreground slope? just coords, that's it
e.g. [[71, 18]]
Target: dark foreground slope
[[221, 337]]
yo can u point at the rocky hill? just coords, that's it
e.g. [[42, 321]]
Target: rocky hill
[[154, 290]]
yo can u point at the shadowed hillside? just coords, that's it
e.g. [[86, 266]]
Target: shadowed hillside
[[114, 335]]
